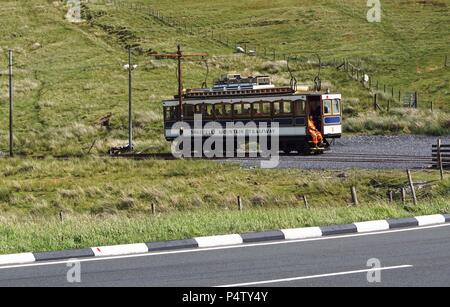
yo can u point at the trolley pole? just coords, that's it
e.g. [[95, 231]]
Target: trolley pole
[[11, 138]]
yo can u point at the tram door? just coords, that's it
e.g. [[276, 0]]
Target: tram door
[[314, 109]]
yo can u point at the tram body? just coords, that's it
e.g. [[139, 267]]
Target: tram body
[[261, 104]]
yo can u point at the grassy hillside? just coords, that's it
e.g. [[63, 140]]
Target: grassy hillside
[[68, 76]]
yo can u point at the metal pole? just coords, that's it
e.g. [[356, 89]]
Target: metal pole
[[180, 83], [11, 141], [130, 118]]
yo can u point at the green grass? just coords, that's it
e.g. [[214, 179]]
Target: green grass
[[80, 231], [108, 201]]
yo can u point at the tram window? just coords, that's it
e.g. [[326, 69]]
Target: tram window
[[246, 109], [336, 107], [287, 107], [257, 109], [166, 113], [218, 110], [237, 109], [300, 107], [266, 108], [208, 110], [327, 107], [277, 108], [189, 111], [198, 109], [227, 109]]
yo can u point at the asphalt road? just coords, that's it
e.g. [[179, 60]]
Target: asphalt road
[[397, 152], [419, 257]]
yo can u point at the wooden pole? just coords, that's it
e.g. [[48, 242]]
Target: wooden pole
[[354, 196], [403, 195], [439, 159], [153, 207], [411, 185], [239, 202], [305, 201], [391, 196]]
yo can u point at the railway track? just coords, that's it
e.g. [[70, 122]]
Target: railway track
[[327, 157]]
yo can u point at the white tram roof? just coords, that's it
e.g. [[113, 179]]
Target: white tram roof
[[175, 102]]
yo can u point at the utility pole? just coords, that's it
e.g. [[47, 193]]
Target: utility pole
[[130, 67], [11, 138], [180, 83], [179, 55], [130, 117]]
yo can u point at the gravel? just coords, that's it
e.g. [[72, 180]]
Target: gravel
[[417, 148]]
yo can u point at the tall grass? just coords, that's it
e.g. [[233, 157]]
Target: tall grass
[[79, 231], [400, 120]]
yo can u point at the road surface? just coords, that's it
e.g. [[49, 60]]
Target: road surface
[[410, 257]]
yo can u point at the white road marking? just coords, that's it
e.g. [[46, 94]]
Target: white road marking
[[199, 250], [274, 281]]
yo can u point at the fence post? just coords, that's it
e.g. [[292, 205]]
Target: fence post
[[416, 102], [354, 196], [411, 184], [391, 196], [403, 195], [445, 60], [375, 103], [431, 106], [439, 159], [239, 202], [305, 201], [153, 207]]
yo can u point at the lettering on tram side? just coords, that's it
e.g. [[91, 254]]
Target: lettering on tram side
[[208, 140]]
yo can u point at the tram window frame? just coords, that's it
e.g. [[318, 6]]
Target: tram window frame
[[339, 112], [330, 111], [300, 107]]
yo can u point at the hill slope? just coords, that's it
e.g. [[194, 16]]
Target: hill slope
[[68, 76]]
